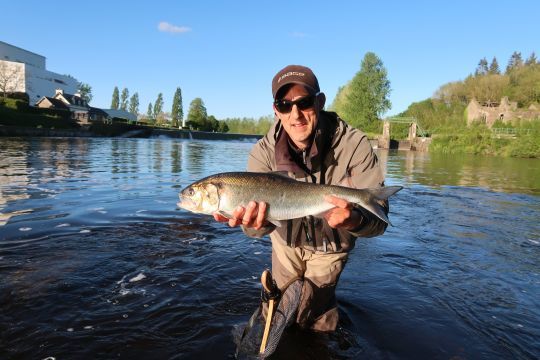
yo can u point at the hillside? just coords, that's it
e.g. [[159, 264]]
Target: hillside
[[445, 118]]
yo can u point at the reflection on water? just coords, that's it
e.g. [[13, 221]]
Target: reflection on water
[[497, 174], [93, 251]]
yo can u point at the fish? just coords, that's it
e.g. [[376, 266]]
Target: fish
[[286, 198]]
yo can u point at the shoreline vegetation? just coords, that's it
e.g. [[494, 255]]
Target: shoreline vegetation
[[520, 139], [361, 102]]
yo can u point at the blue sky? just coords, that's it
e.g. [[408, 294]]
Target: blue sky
[[227, 52]]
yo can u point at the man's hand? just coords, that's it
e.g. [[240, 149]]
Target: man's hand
[[251, 217], [342, 216]]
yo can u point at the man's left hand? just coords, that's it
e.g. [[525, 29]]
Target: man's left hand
[[342, 216]]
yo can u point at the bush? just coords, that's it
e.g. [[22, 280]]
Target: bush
[[17, 96], [17, 113]]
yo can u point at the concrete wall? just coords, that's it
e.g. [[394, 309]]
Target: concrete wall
[[13, 53], [122, 130]]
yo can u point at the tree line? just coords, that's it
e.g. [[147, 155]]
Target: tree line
[[520, 82]]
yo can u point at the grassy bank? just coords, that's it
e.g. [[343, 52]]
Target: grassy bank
[[480, 140]]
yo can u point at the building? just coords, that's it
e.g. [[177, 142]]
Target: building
[[25, 72], [505, 111], [80, 111]]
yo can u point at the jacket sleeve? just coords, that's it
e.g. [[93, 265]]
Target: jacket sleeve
[[259, 161], [364, 171]]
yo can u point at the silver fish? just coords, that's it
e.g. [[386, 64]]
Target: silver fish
[[286, 197]]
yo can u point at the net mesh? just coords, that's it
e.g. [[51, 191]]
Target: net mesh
[[249, 342], [284, 316]]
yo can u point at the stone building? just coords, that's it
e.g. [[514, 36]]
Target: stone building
[[506, 111]]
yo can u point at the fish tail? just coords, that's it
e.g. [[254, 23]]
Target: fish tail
[[382, 193], [376, 210], [385, 192]]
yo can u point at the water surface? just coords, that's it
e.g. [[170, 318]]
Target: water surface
[[96, 261]]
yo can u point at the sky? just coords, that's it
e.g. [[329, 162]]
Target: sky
[[226, 52]]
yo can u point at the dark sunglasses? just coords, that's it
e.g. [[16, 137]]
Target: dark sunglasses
[[285, 106]]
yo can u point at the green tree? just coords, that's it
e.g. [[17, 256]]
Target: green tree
[[482, 68], [367, 98], [150, 113], [124, 99], [197, 115], [516, 61], [223, 127], [134, 104], [531, 60], [115, 98], [86, 91], [524, 85], [158, 109], [494, 67], [177, 113]]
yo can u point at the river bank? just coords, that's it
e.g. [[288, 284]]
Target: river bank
[[120, 130]]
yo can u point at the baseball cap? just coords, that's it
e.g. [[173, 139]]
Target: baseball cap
[[295, 74]]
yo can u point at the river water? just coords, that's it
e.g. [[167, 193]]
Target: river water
[[97, 262]]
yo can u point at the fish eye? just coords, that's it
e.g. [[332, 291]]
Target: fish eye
[[190, 192]]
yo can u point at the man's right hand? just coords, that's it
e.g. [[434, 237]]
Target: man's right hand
[[252, 216]]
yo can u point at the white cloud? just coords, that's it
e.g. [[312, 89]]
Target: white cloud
[[170, 28]]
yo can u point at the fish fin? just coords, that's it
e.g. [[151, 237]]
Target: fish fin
[[275, 222], [282, 173], [224, 214], [321, 214], [374, 209], [384, 192]]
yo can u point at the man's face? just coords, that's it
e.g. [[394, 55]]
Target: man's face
[[300, 124]]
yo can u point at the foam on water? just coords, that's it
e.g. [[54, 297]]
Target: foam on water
[[138, 277]]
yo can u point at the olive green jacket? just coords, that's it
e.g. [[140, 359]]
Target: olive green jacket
[[339, 155]]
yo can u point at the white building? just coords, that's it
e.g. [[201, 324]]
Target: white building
[[24, 71]]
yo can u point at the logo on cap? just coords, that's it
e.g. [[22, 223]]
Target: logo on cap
[[290, 73]]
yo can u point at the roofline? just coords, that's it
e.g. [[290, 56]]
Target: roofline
[[3, 42]]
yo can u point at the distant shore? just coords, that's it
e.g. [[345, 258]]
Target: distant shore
[[121, 130]]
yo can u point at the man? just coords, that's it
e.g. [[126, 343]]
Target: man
[[312, 145]]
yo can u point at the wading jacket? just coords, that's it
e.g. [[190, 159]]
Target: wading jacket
[[339, 155]]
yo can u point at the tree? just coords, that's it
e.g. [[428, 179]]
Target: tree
[[177, 113], [150, 114], [124, 99], [494, 67], [197, 116], [212, 124], [10, 77], [86, 91], [158, 108], [134, 104], [223, 127], [516, 61], [482, 68], [531, 60], [367, 98], [115, 98]]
